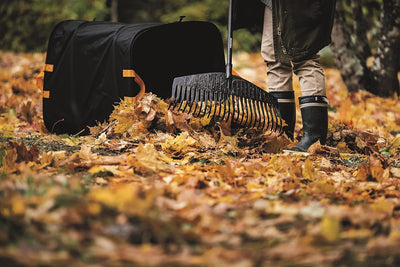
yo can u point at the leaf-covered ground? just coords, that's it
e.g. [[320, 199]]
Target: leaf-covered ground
[[157, 188]]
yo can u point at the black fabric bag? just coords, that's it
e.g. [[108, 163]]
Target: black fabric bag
[[90, 66]]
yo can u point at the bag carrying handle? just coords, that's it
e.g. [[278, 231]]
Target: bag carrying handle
[[132, 74]]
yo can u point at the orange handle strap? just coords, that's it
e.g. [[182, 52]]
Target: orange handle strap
[[138, 80], [40, 78]]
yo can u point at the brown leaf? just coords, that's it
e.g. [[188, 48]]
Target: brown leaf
[[25, 154]]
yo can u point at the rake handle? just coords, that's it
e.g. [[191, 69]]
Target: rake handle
[[230, 42]]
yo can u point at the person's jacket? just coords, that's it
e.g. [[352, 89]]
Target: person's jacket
[[301, 27]]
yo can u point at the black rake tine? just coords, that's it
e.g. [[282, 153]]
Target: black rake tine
[[228, 102], [172, 97], [242, 107], [270, 118], [196, 100], [219, 98], [241, 104], [235, 108], [186, 97], [264, 111], [209, 103], [192, 99], [264, 114], [257, 113], [259, 108], [202, 97], [213, 104], [253, 109], [246, 102], [181, 96], [268, 112], [273, 110], [223, 101], [178, 94]]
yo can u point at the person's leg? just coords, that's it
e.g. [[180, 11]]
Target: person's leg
[[313, 103], [279, 76], [311, 76]]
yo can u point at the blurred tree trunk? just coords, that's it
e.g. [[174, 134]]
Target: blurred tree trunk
[[353, 53], [114, 10]]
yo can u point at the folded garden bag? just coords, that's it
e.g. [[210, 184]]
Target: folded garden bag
[[91, 66]]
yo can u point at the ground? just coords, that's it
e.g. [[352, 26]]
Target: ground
[[152, 187]]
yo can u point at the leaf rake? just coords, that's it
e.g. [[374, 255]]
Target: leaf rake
[[224, 97]]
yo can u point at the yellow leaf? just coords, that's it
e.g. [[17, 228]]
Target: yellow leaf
[[330, 228], [180, 143], [205, 120], [308, 169], [395, 146], [94, 208], [148, 160], [17, 206], [382, 205], [324, 187], [104, 196]]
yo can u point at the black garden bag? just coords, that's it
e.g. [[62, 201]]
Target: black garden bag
[[90, 66]]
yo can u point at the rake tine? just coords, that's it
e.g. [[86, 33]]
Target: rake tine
[[218, 99], [224, 107], [255, 103], [260, 116], [253, 109], [196, 101], [222, 110], [237, 106], [208, 103], [241, 108], [213, 104], [247, 105], [202, 97], [228, 103], [268, 112], [264, 114], [247, 112], [240, 104], [187, 98], [273, 113], [256, 113], [192, 100], [180, 97], [176, 100]]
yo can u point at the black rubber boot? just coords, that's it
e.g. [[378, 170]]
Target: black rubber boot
[[314, 114], [287, 108]]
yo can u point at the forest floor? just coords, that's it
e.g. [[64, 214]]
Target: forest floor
[[153, 187]]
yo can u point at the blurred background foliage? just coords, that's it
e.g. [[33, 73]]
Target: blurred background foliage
[[25, 25]]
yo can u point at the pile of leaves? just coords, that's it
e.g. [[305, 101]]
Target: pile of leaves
[[154, 187]]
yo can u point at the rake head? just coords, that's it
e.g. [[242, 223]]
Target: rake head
[[222, 99]]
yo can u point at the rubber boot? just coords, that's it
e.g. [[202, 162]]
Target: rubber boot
[[314, 114], [287, 108]]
